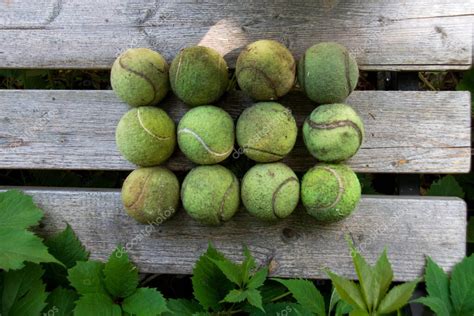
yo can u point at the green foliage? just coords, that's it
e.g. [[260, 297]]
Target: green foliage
[[450, 296], [366, 183], [446, 186], [306, 294], [61, 302]]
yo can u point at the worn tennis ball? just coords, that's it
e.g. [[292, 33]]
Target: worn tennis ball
[[266, 70], [328, 73], [199, 75], [333, 132], [266, 131], [150, 195], [330, 192], [139, 77], [210, 194], [146, 136], [270, 191], [206, 135]]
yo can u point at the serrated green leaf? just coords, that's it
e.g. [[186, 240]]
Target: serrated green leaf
[[462, 286], [120, 275], [437, 282], [397, 297], [446, 186], [272, 291], [87, 277], [235, 296], [17, 213], [61, 302], [247, 265], [231, 270], [342, 308], [23, 291], [437, 305], [282, 308], [96, 304], [182, 307], [348, 291], [306, 294], [210, 285], [255, 298], [368, 280], [384, 275], [145, 302], [66, 247], [358, 312], [258, 279], [333, 300]]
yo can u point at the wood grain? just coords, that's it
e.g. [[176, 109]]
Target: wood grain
[[383, 35], [406, 132], [410, 227]]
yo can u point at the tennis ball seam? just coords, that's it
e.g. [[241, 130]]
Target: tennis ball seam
[[203, 143], [336, 124], [147, 130], [264, 151], [347, 71], [150, 82], [275, 193], [265, 76], [220, 216], [142, 192], [340, 191]]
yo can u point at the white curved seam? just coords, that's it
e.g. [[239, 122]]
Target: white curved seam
[[147, 130], [339, 193], [201, 141]]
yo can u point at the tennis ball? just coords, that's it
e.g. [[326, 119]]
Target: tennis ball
[[150, 195], [327, 73], [330, 192], [270, 191], [333, 132], [210, 194], [266, 131], [139, 77], [206, 135], [146, 136], [199, 75], [266, 70]]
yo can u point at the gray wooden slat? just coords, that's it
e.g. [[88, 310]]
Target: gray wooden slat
[[410, 228], [383, 35], [406, 132]]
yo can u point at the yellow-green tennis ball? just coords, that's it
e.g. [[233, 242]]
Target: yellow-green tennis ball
[[266, 70], [206, 135], [328, 73], [210, 194], [146, 136], [139, 77], [333, 132], [330, 192], [199, 75], [150, 195], [270, 191], [266, 131]]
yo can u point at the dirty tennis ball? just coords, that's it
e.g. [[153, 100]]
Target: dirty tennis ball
[[150, 195], [206, 135], [330, 192], [139, 77], [327, 73], [266, 70], [210, 194], [266, 131], [199, 75], [146, 136], [270, 191], [333, 132]]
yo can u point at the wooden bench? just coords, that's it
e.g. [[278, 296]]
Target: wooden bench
[[407, 132]]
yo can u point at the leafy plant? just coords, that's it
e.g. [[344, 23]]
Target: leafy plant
[[446, 186], [447, 296]]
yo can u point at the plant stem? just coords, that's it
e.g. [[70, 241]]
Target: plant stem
[[280, 296]]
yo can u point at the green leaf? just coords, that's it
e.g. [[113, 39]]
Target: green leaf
[[397, 297], [61, 302], [358, 312], [462, 286], [120, 275], [348, 291], [306, 294], [235, 296], [342, 308], [333, 300], [247, 265], [255, 298], [145, 302], [258, 279], [231, 270], [437, 305], [437, 282], [368, 280], [384, 275], [96, 304], [23, 291], [282, 308], [210, 285], [446, 186], [87, 277], [272, 291], [17, 213], [182, 307], [66, 247]]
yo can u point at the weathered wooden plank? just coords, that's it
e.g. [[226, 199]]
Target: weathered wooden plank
[[406, 132], [381, 34], [410, 227]]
